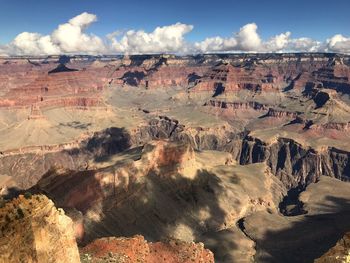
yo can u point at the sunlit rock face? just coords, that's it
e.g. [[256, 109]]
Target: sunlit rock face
[[137, 249], [339, 253], [34, 230]]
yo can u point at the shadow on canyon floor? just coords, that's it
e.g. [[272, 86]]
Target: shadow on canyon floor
[[307, 238], [158, 204], [102, 145], [161, 206], [133, 78]]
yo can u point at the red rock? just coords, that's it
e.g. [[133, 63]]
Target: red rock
[[137, 249]]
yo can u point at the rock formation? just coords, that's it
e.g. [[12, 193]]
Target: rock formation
[[136, 249], [339, 253], [33, 230]]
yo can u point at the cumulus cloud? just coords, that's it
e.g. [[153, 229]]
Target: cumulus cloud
[[338, 43], [33, 43], [72, 38], [216, 44], [166, 39], [67, 38], [246, 40], [249, 40], [304, 44], [276, 43]]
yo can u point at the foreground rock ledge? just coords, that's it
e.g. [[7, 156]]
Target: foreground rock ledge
[[339, 253], [137, 249], [33, 230]]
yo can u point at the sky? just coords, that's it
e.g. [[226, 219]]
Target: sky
[[184, 26]]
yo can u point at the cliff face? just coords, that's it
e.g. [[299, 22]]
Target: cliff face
[[38, 231], [294, 164]]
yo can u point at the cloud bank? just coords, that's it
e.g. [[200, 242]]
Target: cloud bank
[[248, 40], [72, 38]]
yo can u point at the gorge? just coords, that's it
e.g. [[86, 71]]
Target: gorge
[[225, 157]]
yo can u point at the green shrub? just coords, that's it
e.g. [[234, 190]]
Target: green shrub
[[27, 195]]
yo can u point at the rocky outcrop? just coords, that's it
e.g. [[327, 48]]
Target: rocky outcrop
[[136, 249], [33, 230], [220, 138], [280, 113], [344, 127], [295, 164], [78, 102], [333, 77], [236, 105], [340, 253], [233, 78]]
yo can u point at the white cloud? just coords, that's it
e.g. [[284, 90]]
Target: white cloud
[[216, 44], [338, 43], [72, 38], [34, 43], [277, 43], [246, 40], [67, 38], [304, 44], [166, 39]]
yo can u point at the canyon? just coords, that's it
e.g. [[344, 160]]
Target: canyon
[[225, 157]]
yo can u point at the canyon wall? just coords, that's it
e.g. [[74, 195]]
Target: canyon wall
[[293, 163]]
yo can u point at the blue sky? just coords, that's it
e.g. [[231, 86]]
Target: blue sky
[[318, 19], [315, 19]]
